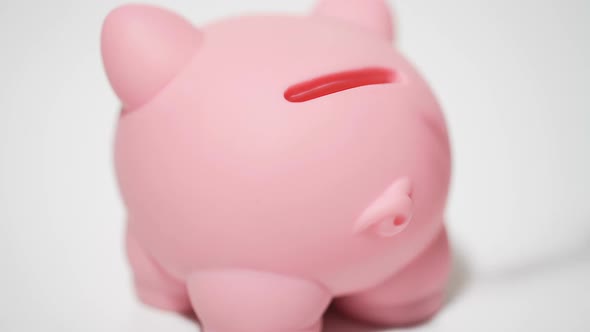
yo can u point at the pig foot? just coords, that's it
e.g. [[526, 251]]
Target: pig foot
[[248, 301], [153, 285], [411, 296]]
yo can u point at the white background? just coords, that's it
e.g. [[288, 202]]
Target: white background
[[512, 76]]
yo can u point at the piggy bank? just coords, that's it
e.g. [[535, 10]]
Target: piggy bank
[[273, 165]]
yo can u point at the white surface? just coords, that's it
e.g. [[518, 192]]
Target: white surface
[[512, 76]]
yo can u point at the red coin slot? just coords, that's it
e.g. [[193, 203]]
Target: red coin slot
[[337, 82]]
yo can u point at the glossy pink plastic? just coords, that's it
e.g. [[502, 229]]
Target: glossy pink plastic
[[273, 164]]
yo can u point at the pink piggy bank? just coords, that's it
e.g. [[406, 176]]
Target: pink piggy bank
[[272, 165]]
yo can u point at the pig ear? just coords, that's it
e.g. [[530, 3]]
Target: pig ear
[[374, 15], [143, 49]]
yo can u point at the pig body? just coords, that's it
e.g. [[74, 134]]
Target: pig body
[[272, 164]]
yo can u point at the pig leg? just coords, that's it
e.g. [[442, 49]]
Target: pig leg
[[153, 285], [411, 296], [248, 301]]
